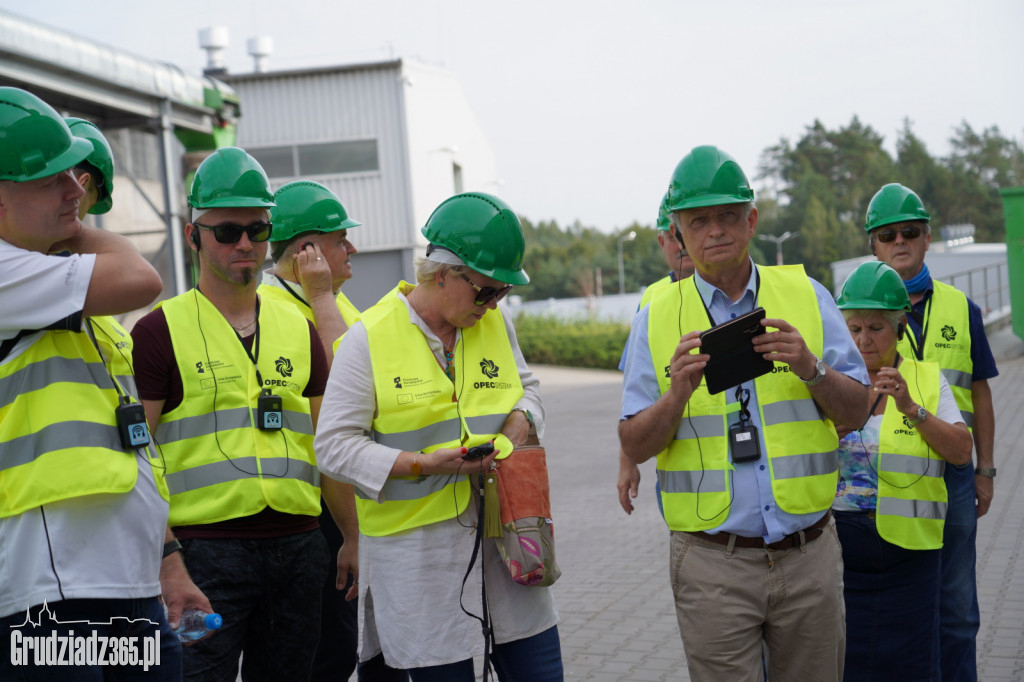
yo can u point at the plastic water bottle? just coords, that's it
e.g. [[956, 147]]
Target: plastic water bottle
[[194, 624]]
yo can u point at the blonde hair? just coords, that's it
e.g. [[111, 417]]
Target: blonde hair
[[427, 269]]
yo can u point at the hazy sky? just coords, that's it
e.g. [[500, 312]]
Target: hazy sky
[[589, 104]]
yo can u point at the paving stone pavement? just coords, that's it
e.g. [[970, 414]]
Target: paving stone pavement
[[617, 615]]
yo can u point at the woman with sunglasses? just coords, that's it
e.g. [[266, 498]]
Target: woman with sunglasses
[[891, 498], [431, 371]]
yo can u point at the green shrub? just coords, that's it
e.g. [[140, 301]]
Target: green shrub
[[574, 343]]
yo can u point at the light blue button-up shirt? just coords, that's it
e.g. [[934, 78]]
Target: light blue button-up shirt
[[753, 512]]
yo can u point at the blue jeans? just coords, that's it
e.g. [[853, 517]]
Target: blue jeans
[[110, 618], [892, 605], [534, 659], [959, 618]]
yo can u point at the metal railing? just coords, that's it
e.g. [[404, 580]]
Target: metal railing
[[988, 286]]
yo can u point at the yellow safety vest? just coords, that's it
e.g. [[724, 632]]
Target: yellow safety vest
[[416, 412], [349, 312], [911, 505], [219, 464], [58, 426], [653, 289], [800, 441], [947, 321]]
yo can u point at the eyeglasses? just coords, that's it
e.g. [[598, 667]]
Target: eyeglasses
[[485, 295], [908, 231], [230, 233]]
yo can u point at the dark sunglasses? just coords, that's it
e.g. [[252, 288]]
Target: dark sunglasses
[[230, 233], [485, 295], [908, 232]]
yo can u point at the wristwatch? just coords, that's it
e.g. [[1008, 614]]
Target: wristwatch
[[171, 547], [922, 414], [987, 472], [819, 373], [527, 414]]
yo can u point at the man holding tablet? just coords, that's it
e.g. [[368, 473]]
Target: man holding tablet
[[747, 474]]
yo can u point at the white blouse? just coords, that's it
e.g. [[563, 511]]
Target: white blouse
[[410, 584]]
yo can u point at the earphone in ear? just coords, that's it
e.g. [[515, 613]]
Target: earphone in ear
[[195, 237], [677, 235], [900, 330]]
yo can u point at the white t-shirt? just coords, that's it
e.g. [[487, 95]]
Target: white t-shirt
[[91, 547], [410, 584]]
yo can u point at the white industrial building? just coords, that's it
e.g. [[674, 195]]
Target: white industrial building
[[392, 139]]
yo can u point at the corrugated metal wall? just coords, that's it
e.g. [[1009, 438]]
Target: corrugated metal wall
[[333, 106]]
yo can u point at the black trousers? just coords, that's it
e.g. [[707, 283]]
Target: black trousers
[[336, 656], [268, 591]]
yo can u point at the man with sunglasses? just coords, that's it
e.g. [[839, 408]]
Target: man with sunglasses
[[945, 327], [232, 384]]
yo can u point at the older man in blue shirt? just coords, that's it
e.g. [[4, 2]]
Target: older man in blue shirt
[[755, 560]]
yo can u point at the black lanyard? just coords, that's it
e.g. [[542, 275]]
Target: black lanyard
[[255, 341], [284, 283], [255, 346], [918, 347], [757, 294]]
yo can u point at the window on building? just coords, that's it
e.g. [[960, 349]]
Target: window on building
[[278, 162], [327, 158]]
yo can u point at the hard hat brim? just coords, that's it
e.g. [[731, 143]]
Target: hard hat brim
[[707, 200], [72, 156]]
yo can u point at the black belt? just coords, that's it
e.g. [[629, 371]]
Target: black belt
[[810, 534]]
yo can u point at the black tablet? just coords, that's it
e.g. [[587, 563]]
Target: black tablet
[[733, 359]]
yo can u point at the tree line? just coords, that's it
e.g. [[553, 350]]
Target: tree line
[[818, 186]]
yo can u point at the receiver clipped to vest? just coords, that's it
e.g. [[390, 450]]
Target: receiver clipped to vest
[[131, 425], [269, 411]]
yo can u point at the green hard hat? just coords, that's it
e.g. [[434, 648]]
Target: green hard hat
[[873, 286], [894, 203], [484, 232], [35, 142], [707, 176], [230, 178], [306, 206], [101, 158], [664, 224]]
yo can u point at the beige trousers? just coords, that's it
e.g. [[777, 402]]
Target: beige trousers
[[732, 601]]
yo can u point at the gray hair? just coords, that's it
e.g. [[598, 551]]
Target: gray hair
[[894, 317]]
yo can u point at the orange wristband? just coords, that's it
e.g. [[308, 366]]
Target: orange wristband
[[415, 469]]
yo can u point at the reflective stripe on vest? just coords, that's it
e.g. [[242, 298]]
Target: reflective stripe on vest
[[219, 464], [415, 410], [447, 430], [948, 343], [800, 442], [238, 469], [911, 491], [58, 430]]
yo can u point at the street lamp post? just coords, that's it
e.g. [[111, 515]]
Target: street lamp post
[[778, 239], [628, 237]]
